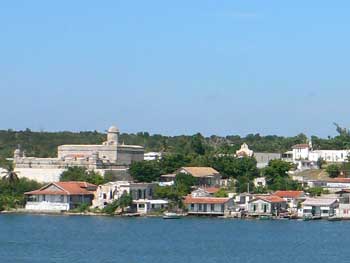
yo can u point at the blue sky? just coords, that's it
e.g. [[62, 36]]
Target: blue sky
[[175, 67]]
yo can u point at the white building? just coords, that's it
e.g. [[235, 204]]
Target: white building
[[144, 206], [304, 152], [111, 191], [319, 207], [152, 156]]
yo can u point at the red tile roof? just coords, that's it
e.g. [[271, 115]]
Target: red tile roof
[[205, 200], [65, 188], [270, 198], [211, 190], [339, 180], [289, 194]]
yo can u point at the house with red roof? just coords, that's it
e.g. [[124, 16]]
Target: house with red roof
[[293, 198], [266, 205], [60, 196], [201, 202]]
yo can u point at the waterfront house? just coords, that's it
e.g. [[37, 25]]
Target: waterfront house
[[111, 191], [217, 206], [241, 201], [206, 176], [60, 196], [343, 210], [319, 207], [266, 205], [144, 206], [201, 202], [293, 198]]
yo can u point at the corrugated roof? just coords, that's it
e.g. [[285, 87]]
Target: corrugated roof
[[319, 201]]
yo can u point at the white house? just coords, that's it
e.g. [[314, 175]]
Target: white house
[[152, 156], [266, 205], [60, 196], [260, 182], [144, 206], [293, 198], [319, 207], [201, 202], [111, 191], [304, 152]]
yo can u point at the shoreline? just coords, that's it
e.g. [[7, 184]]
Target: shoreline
[[131, 215]]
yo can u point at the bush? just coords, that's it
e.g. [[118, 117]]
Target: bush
[[333, 170], [110, 208], [81, 174]]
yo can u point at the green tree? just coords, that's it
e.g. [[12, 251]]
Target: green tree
[[333, 170], [184, 183], [277, 177], [221, 193], [81, 174], [10, 175], [145, 171]]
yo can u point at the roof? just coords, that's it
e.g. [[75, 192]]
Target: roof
[[289, 194], [269, 198], [113, 129], [205, 200], [200, 171], [168, 175], [300, 146], [65, 188], [338, 180], [211, 190], [319, 201]]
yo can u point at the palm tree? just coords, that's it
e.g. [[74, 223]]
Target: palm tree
[[10, 175]]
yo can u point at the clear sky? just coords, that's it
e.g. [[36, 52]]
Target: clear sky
[[175, 67]]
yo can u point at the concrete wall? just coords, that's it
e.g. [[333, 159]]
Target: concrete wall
[[47, 206], [40, 175]]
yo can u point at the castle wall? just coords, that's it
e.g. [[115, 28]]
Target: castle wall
[[127, 155], [105, 152], [40, 175]]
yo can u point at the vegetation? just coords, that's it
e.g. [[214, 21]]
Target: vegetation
[[277, 177], [145, 171], [317, 191], [81, 174], [333, 170], [221, 193], [182, 186], [12, 192], [124, 201]]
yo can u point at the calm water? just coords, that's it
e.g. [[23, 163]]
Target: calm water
[[26, 238]]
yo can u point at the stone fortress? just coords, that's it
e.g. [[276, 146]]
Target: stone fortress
[[108, 156]]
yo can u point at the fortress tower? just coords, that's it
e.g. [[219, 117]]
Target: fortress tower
[[112, 135]]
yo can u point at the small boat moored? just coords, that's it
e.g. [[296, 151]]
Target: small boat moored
[[170, 215]]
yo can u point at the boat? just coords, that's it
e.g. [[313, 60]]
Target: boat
[[334, 218], [170, 215]]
